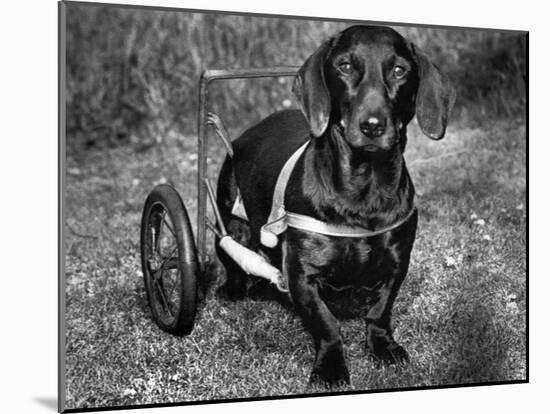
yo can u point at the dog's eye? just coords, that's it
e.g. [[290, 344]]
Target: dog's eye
[[399, 72], [345, 67]]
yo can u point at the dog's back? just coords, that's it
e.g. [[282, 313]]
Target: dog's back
[[260, 153]]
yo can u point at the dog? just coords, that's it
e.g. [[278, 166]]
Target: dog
[[357, 92]]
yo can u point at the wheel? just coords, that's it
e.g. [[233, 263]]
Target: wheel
[[169, 261]]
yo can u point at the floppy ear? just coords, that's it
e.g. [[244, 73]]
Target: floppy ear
[[435, 97], [311, 90]]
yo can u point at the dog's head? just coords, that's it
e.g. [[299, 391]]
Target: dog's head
[[367, 83]]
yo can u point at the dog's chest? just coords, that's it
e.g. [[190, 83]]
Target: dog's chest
[[338, 262], [350, 264]]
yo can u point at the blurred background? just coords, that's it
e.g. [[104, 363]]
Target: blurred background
[[132, 75]]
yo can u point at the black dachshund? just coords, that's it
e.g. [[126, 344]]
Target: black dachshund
[[357, 94]]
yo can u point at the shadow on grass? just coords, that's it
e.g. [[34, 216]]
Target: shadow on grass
[[477, 345]]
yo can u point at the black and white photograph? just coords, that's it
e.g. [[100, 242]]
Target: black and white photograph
[[274, 206]]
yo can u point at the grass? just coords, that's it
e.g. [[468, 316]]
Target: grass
[[461, 312]]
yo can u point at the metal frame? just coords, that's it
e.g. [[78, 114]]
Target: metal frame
[[206, 77]]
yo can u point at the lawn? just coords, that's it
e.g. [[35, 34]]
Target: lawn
[[461, 312]]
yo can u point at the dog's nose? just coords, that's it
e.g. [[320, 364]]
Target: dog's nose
[[373, 127]]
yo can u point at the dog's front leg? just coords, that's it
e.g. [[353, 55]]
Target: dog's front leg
[[303, 272], [380, 343], [330, 364], [393, 268]]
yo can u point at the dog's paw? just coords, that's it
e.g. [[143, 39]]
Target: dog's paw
[[330, 368], [393, 354], [329, 378]]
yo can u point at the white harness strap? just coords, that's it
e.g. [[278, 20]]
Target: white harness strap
[[276, 222], [279, 219], [307, 223]]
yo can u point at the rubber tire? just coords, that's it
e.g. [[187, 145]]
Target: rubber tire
[[166, 197]]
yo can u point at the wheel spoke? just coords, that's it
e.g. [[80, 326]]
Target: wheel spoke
[[163, 299], [162, 265], [157, 241], [167, 259], [174, 284], [156, 234], [171, 263], [170, 228], [159, 283]]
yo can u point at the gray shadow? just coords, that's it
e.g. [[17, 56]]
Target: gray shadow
[[482, 343], [48, 402]]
